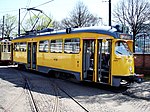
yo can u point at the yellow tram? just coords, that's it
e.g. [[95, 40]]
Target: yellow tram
[[5, 51], [96, 54]]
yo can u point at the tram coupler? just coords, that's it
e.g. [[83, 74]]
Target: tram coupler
[[138, 78]]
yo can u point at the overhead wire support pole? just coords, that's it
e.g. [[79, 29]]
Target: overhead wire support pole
[[3, 28], [109, 12], [19, 24], [109, 9]]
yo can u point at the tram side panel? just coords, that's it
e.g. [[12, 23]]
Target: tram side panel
[[60, 60], [20, 57], [19, 52]]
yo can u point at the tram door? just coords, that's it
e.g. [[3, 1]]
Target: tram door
[[104, 53], [88, 59], [31, 59]]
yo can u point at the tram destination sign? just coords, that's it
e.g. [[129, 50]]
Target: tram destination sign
[[126, 36]]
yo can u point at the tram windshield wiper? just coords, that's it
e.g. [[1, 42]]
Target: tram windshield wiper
[[119, 52]]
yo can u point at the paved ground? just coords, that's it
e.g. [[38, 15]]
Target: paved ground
[[49, 98], [140, 90]]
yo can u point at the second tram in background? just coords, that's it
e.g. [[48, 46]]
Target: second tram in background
[[5, 52], [95, 54]]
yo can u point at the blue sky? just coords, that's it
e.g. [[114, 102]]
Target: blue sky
[[58, 9]]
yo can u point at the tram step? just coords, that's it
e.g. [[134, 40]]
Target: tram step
[[104, 80], [105, 77]]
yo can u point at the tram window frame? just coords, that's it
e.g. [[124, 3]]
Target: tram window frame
[[9, 47], [122, 49], [56, 46], [4, 47], [44, 46], [106, 53], [22, 46], [72, 45], [16, 46], [106, 46]]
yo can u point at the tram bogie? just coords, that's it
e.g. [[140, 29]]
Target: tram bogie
[[93, 54]]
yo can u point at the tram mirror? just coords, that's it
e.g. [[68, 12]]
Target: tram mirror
[[130, 44]]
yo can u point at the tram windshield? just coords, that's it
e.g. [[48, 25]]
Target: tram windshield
[[122, 48]]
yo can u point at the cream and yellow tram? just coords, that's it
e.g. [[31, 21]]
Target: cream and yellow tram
[[96, 54], [5, 51]]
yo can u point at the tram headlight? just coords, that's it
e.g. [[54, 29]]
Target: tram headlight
[[130, 69]]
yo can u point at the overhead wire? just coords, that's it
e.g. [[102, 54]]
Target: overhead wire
[[43, 3], [28, 4], [8, 11]]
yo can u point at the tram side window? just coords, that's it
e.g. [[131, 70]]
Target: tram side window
[[72, 45], [43, 46], [16, 46], [9, 48], [106, 46], [56, 46], [4, 48], [23, 47], [106, 50]]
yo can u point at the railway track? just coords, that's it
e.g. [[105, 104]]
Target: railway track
[[54, 96], [56, 90], [32, 101], [73, 99], [12, 103], [56, 104], [8, 107], [27, 90]]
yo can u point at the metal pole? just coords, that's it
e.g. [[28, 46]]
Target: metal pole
[[109, 12], [144, 52], [144, 43], [19, 24], [3, 28]]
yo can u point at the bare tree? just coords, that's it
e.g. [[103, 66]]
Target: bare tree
[[57, 25], [10, 23], [80, 17], [133, 13]]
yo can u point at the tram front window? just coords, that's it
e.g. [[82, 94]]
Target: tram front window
[[122, 48]]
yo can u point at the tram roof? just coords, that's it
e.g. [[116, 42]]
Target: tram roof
[[94, 29]]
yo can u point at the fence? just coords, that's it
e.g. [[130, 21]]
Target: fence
[[142, 54], [142, 43]]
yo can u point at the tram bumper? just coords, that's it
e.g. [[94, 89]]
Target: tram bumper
[[127, 80], [138, 78]]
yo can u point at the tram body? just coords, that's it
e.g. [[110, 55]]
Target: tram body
[[5, 51], [87, 54]]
